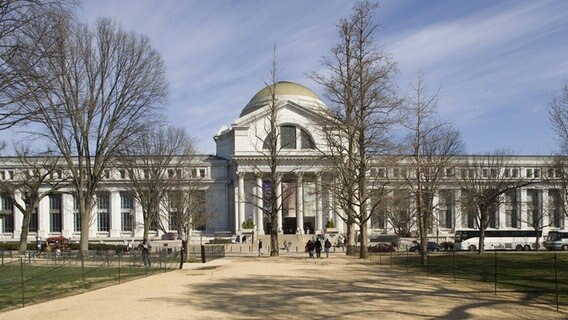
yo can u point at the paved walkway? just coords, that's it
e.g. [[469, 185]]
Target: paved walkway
[[289, 287]]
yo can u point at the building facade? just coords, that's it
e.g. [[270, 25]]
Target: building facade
[[234, 186]]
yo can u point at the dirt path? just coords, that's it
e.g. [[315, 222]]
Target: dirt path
[[290, 287]]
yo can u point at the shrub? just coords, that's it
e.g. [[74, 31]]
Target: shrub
[[248, 224], [329, 224]]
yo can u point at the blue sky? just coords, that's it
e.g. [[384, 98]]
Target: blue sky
[[497, 63]]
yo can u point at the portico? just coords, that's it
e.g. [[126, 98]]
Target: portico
[[304, 202]]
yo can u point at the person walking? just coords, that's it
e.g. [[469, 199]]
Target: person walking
[[259, 247], [326, 247], [310, 247], [145, 248], [318, 247]]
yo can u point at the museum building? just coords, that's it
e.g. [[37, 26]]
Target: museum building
[[233, 182]]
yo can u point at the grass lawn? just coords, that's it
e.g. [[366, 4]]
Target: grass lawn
[[534, 274], [45, 282]]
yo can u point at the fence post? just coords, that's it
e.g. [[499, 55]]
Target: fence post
[[119, 268], [556, 280], [454, 267], [2, 252], [203, 260], [407, 262], [83, 267], [22, 279], [495, 273]]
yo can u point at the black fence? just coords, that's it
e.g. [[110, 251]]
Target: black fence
[[535, 276], [36, 277]]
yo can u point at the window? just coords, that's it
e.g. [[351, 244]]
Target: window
[[122, 174], [33, 222], [76, 215], [446, 207], [103, 221], [512, 219], [126, 212], [529, 173], [555, 208], [534, 215], [55, 213], [288, 137], [7, 214], [307, 141]]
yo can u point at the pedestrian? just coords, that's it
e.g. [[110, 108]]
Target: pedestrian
[[145, 248], [286, 247], [259, 247], [310, 247], [326, 246], [317, 245]]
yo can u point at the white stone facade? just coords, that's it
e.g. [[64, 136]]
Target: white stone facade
[[233, 184]]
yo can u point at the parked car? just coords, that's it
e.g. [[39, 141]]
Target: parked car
[[382, 247], [431, 247]]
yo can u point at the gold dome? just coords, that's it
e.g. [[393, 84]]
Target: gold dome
[[283, 88]]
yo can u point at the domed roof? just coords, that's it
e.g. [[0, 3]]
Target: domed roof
[[283, 88]]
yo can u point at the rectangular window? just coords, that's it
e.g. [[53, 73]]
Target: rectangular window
[[55, 213], [446, 207], [7, 214], [534, 216], [529, 173], [555, 208], [33, 222], [103, 221], [512, 219], [126, 211], [76, 215], [127, 221]]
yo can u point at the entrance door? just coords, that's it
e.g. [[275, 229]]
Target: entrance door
[[289, 225]]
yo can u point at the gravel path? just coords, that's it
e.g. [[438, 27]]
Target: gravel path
[[290, 287]]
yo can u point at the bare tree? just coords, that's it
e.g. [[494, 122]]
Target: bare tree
[[34, 172], [157, 162], [558, 115], [23, 24], [433, 146], [100, 88], [359, 84], [187, 210], [484, 180], [272, 156]]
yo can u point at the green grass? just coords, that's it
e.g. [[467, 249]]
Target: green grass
[[532, 274], [46, 282]]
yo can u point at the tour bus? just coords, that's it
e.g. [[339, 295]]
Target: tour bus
[[497, 239], [557, 240]]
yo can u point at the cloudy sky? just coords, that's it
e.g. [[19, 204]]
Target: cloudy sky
[[496, 63]]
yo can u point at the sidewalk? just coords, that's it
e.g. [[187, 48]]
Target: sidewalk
[[289, 287]]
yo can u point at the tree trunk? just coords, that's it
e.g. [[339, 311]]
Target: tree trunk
[[25, 229]]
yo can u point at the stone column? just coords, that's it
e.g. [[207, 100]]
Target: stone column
[[319, 215], [523, 212], [67, 203], [279, 201], [241, 197], [18, 216], [300, 202], [115, 221], [457, 210], [544, 207], [259, 206], [43, 217], [138, 219]]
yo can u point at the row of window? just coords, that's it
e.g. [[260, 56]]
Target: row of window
[[122, 173], [127, 221], [511, 205], [402, 172]]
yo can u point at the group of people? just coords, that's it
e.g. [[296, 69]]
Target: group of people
[[314, 248]]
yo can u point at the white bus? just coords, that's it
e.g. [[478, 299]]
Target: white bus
[[557, 240], [497, 239]]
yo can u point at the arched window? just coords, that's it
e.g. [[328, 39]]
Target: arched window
[[307, 141], [288, 137]]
